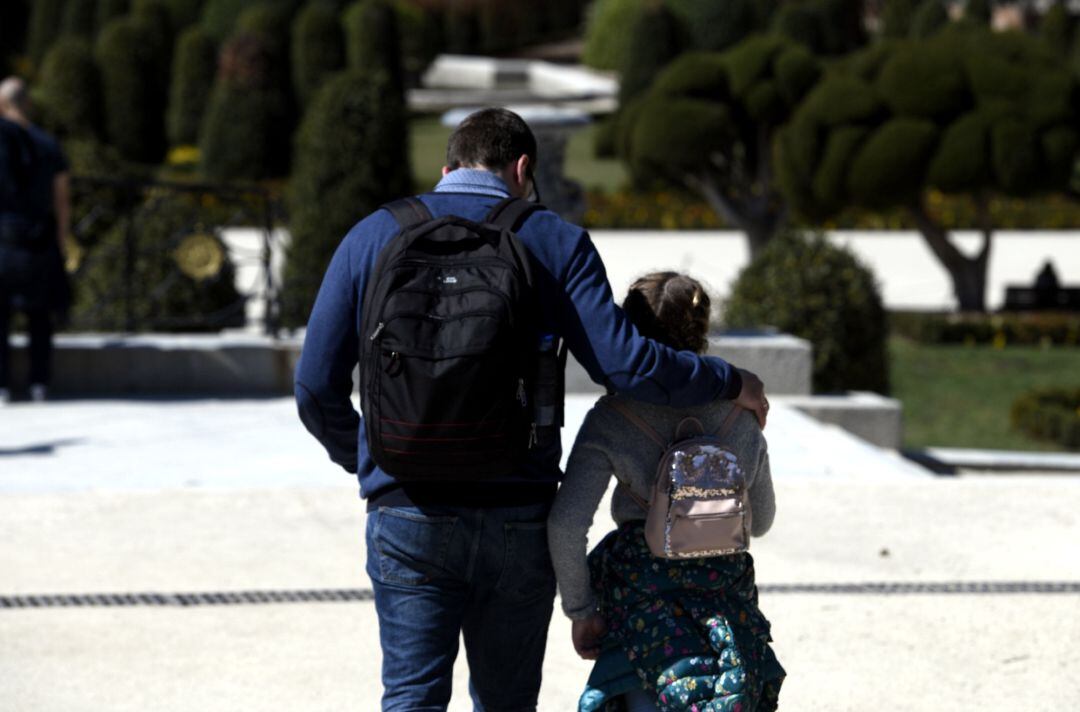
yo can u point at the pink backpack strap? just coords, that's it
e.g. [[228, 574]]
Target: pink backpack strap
[[637, 420], [729, 421], [649, 431]]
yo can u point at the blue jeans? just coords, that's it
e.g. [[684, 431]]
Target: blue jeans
[[485, 574]]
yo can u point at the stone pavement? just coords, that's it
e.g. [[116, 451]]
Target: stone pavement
[[232, 496]]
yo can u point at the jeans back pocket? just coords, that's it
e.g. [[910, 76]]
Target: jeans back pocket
[[411, 548]]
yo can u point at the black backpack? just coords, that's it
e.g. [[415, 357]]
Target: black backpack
[[448, 348]]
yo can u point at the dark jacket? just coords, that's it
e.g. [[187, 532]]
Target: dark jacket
[[576, 305]]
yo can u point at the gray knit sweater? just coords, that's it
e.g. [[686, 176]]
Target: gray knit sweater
[[610, 444]]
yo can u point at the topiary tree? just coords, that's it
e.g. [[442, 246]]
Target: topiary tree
[[608, 32], [79, 18], [130, 61], [194, 68], [45, 21], [657, 37], [896, 18], [979, 12], [109, 10], [69, 89], [930, 16], [715, 26], [708, 121], [155, 15], [219, 17], [966, 112], [241, 133], [373, 39], [184, 13], [462, 27], [819, 292], [318, 49], [351, 157], [824, 26], [421, 39], [1056, 28]]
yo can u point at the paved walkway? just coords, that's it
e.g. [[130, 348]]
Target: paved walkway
[[227, 497]]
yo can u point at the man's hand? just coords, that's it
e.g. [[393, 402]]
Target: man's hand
[[752, 396], [586, 634]]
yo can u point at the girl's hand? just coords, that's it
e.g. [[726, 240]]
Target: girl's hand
[[586, 634]]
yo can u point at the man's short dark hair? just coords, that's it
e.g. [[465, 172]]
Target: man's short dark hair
[[492, 138]]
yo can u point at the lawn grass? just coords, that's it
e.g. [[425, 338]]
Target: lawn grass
[[427, 146], [960, 396]]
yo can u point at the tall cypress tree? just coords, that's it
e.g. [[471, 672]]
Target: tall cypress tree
[[318, 49]]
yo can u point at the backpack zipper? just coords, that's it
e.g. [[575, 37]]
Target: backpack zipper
[[378, 328], [522, 398]]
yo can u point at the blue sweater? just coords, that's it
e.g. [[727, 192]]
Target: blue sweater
[[576, 305]]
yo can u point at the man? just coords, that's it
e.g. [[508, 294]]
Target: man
[[471, 558], [32, 246]]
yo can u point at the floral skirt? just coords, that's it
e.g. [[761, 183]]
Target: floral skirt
[[690, 628]]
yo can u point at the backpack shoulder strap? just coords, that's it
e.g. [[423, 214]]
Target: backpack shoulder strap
[[408, 212], [729, 421], [638, 422], [511, 213]]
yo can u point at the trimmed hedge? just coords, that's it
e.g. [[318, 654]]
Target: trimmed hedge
[[194, 67], [131, 64], [1019, 329], [241, 137], [80, 18], [109, 10], [373, 39], [822, 293], [69, 89], [45, 22], [351, 157], [1051, 414], [658, 37], [609, 31], [318, 48], [930, 16]]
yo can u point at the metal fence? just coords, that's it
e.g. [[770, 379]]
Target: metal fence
[[150, 255]]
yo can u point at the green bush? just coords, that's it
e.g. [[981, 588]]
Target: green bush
[[715, 26], [372, 39], [657, 37], [890, 165], [183, 276], [1005, 329], [219, 17], [925, 82], [194, 67], [184, 13], [608, 33], [1049, 414], [421, 38], [133, 96], [241, 133], [351, 157], [45, 19], [79, 19], [1056, 28], [109, 10], [809, 288], [155, 15], [929, 17], [318, 48], [69, 89], [896, 18], [978, 11]]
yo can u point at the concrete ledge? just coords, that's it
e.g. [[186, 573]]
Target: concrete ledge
[[872, 417], [1005, 460], [165, 364], [784, 362]]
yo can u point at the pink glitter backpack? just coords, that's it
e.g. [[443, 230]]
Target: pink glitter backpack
[[700, 502]]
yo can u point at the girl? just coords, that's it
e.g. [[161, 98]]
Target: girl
[[668, 634]]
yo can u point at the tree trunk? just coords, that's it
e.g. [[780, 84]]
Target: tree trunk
[[968, 274], [758, 217]]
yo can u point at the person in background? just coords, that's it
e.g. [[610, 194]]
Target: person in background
[[684, 633], [32, 239]]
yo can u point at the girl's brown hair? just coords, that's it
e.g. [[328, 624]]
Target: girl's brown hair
[[671, 308]]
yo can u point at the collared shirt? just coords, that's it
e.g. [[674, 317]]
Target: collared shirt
[[474, 181]]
